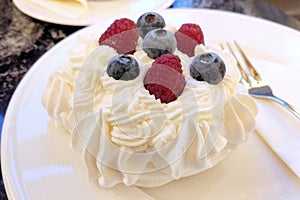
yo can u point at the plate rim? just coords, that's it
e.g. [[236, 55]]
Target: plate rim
[[70, 22], [9, 116]]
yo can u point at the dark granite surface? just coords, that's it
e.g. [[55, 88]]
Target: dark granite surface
[[23, 39]]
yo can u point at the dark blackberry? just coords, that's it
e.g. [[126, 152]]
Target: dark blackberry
[[123, 67], [158, 42], [148, 22], [208, 67]]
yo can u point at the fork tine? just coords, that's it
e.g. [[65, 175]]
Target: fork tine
[[243, 72], [251, 68]]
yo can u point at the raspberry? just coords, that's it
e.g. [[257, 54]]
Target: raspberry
[[188, 36], [170, 61], [164, 79], [122, 35]]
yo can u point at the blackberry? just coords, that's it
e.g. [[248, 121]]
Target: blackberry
[[148, 22], [123, 67], [208, 67], [159, 42]]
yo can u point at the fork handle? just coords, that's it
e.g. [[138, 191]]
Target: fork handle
[[285, 104]]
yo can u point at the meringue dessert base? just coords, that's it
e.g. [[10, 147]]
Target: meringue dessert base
[[127, 136]]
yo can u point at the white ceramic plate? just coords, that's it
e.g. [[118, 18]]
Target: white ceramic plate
[[37, 162], [98, 10]]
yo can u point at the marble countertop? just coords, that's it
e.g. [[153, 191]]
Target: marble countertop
[[23, 40]]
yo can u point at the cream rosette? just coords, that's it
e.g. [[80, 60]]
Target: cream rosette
[[58, 94], [127, 136]]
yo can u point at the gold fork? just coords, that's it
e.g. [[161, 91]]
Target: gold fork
[[253, 81]]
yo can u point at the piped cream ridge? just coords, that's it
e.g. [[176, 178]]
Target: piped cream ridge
[[127, 136]]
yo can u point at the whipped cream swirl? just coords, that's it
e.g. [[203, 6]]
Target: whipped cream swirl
[[127, 136]]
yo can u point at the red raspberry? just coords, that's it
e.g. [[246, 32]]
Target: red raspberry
[[187, 37], [122, 35], [169, 60], [164, 79]]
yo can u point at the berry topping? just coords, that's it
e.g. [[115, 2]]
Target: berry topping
[[158, 42], [123, 67], [208, 67], [169, 60], [148, 22], [122, 35], [164, 79], [188, 36]]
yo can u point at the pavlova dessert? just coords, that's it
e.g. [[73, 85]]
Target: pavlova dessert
[[147, 104]]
